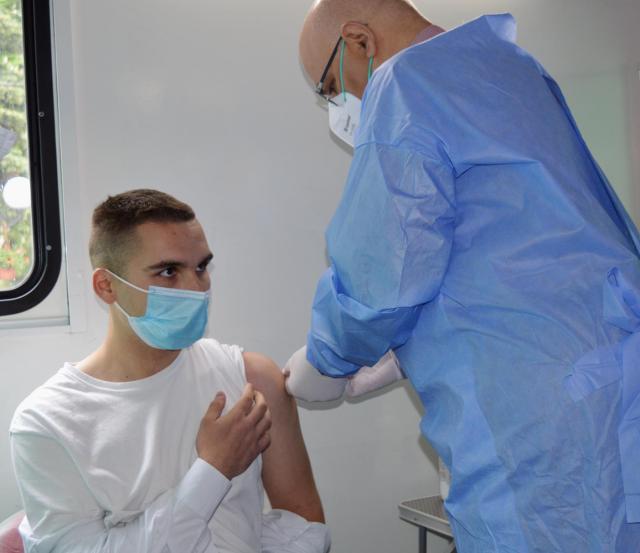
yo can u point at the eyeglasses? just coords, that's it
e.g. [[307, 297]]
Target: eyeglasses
[[320, 86]]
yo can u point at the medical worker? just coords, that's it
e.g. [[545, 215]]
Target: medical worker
[[478, 239]]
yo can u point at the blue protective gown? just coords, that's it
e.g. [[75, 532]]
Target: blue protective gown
[[479, 239]]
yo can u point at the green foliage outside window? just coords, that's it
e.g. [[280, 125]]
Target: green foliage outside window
[[16, 240]]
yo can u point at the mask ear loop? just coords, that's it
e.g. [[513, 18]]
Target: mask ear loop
[[125, 281], [369, 71], [344, 92], [118, 306]]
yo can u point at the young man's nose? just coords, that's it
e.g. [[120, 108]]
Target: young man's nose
[[196, 281]]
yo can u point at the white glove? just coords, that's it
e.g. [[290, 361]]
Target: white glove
[[303, 381], [367, 379]]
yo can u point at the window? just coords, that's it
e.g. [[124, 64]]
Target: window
[[30, 243]]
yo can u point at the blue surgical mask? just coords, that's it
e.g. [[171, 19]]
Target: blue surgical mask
[[174, 318]]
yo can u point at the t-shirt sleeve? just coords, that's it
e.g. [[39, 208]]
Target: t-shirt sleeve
[[228, 364], [62, 515]]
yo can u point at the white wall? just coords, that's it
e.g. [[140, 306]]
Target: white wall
[[604, 124], [633, 118], [205, 99]]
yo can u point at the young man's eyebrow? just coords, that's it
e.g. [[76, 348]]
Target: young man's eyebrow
[[206, 260], [173, 263], [165, 263]]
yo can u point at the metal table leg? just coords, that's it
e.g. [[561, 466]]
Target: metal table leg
[[429, 515], [422, 547]]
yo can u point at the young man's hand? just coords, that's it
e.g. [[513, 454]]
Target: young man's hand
[[231, 442]]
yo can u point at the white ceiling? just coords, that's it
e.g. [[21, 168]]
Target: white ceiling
[[567, 36]]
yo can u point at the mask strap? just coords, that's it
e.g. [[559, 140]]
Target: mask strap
[[369, 71], [125, 281], [344, 92], [121, 309]]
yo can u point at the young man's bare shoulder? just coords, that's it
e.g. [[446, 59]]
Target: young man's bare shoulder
[[264, 374]]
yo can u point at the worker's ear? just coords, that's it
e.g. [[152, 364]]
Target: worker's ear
[[359, 38], [103, 286]]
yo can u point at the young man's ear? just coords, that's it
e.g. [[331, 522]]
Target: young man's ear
[[359, 38], [103, 286]]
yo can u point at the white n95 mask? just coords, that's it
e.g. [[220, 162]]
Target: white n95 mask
[[344, 109], [344, 116]]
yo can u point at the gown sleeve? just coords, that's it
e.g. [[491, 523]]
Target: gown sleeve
[[389, 245]]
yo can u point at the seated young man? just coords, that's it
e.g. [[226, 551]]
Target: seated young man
[[161, 441]]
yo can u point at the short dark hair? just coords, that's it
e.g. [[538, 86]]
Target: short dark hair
[[115, 220]]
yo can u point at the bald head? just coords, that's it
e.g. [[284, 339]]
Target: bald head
[[392, 26]]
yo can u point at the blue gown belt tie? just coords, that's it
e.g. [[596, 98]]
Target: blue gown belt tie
[[620, 361]]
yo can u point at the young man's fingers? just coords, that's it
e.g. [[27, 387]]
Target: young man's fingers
[[264, 425], [258, 409], [245, 403], [217, 405], [264, 442]]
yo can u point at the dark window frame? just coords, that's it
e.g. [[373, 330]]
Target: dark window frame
[[43, 162]]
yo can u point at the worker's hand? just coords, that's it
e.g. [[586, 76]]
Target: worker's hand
[[303, 381], [367, 379], [231, 442]]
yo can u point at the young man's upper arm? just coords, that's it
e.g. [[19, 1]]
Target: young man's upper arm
[[286, 471], [266, 377]]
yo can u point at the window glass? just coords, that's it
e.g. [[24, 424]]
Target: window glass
[[16, 236]]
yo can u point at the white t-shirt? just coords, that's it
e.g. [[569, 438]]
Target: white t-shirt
[[112, 466]]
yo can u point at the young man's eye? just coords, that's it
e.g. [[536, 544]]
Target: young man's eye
[[168, 272], [202, 268]]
